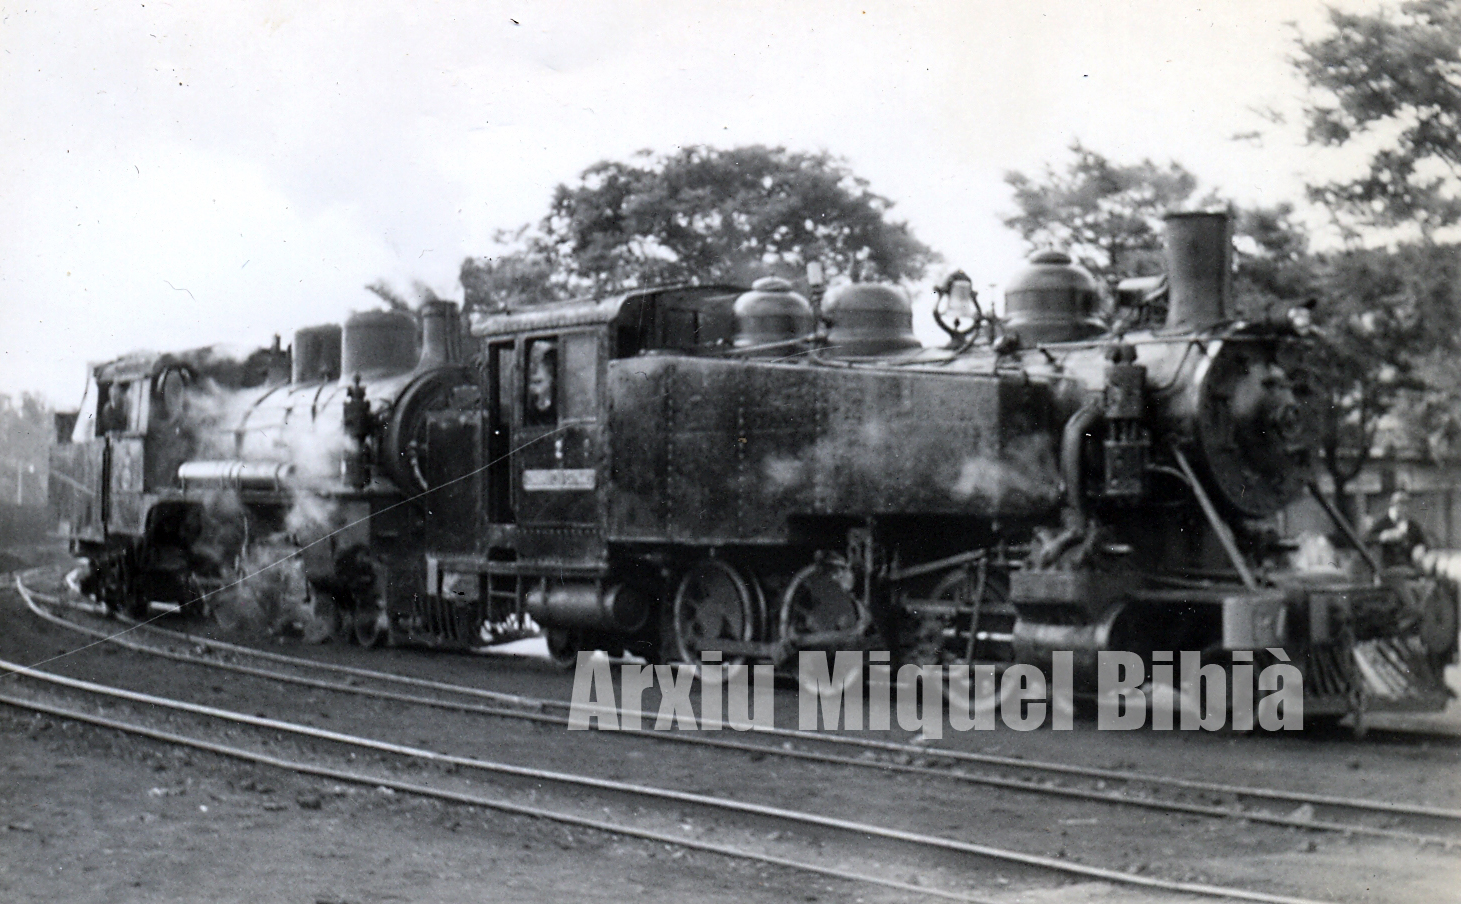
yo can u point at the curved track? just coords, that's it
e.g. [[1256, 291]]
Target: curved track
[[1341, 814], [855, 829]]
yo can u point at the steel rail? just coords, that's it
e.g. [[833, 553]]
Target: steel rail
[[541, 704], [476, 800], [1010, 784], [706, 801]]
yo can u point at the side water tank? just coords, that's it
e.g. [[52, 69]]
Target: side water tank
[[1052, 300], [772, 313], [316, 354], [379, 344], [869, 319]]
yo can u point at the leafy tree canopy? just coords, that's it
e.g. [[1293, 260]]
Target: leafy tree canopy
[[26, 432], [703, 215], [1391, 80], [1107, 216], [523, 276]]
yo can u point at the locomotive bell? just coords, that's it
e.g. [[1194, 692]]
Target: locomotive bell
[[869, 319], [772, 313], [1053, 300], [379, 344]]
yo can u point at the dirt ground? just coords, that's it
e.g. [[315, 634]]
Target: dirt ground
[[91, 816], [87, 814]]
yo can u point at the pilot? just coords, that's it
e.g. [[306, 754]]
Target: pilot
[[1401, 541]]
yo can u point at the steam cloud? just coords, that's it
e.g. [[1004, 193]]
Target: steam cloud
[[264, 587]]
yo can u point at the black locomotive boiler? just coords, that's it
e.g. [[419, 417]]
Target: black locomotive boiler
[[671, 471]]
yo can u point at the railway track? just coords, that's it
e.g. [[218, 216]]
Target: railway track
[[1298, 810], [860, 831]]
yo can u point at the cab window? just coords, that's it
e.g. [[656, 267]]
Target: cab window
[[540, 403], [114, 408], [580, 371]]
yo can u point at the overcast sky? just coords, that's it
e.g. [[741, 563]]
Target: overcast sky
[[182, 174]]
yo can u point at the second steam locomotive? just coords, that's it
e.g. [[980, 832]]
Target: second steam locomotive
[[670, 471]]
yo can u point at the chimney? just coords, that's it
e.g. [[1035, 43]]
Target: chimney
[[441, 341], [1199, 270]]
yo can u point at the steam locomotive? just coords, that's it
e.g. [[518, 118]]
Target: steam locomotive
[[675, 470]]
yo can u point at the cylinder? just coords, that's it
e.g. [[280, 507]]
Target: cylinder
[[1036, 642], [441, 342], [1199, 269], [379, 344], [316, 354], [582, 605]]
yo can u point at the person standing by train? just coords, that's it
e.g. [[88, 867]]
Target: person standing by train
[[1401, 540]]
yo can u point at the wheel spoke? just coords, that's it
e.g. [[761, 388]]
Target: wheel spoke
[[968, 604], [714, 602]]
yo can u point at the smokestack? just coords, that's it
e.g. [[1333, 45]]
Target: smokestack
[[440, 334], [1199, 269]]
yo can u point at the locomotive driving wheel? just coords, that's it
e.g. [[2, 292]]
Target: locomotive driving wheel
[[819, 598], [118, 587], [822, 597], [562, 647], [954, 626], [366, 621], [714, 602]]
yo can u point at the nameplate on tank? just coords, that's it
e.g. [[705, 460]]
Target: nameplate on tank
[[565, 479]]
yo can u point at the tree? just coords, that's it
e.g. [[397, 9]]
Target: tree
[[708, 215], [1389, 83], [1422, 299], [1359, 370], [1393, 79], [1391, 318], [1108, 217], [526, 275], [26, 432], [1274, 269]]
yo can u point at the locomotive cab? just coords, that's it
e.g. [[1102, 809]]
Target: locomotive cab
[[530, 542]]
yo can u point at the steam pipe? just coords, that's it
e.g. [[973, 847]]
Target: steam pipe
[[1071, 440], [245, 475]]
